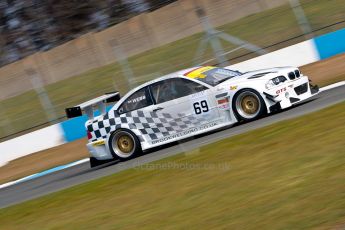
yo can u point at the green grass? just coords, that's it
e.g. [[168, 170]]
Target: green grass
[[263, 29], [289, 175]]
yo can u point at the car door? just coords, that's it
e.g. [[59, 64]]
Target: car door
[[135, 112], [185, 104], [138, 101]]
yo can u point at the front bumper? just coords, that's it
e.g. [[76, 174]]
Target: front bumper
[[285, 95], [99, 150]]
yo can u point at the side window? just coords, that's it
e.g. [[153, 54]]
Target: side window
[[138, 100], [171, 89]]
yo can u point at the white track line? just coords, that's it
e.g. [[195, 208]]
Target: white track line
[[328, 87], [332, 86], [58, 168]]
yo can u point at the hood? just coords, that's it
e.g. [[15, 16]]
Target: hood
[[264, 74]]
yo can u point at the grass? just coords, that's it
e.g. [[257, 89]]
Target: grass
[[289, 175], [263, 29]]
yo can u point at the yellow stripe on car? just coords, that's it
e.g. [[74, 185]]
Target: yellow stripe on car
[[98, 143], [198, 73]]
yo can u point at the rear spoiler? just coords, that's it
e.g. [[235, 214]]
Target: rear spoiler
[[88, 107]]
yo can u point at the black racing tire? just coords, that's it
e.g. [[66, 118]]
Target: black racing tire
[[248, 105], [124, 144]]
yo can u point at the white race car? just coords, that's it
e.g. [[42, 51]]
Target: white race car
[[185, 104]]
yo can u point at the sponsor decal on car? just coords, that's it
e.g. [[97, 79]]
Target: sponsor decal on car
[[223, 103], [135, 100], [221, 95], [198, 73], [98, 143], [279, 91], [186, 132], [233, 87]]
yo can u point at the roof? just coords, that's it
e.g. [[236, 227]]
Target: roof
[[193, 72], [198, 72]]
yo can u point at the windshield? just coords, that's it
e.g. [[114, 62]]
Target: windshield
[[213, 75]]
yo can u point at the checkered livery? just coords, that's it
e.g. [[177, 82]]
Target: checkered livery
[[152, 125]]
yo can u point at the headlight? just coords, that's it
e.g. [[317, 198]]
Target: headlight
[[269, 84], [275, 81]]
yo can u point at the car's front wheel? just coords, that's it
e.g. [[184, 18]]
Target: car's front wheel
[[124, 144], [248, 105]]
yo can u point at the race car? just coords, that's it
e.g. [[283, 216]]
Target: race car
[[184, 104]]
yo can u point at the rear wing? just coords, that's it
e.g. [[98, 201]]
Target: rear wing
[[98, 103]]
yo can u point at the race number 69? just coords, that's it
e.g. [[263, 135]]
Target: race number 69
[[200, 107]]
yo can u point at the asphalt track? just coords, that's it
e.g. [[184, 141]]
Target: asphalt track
[[82, 173]]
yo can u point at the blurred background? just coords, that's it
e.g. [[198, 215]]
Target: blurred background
[[57, 53]]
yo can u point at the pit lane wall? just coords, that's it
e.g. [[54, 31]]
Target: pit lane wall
[[30, 143], [300, 54]]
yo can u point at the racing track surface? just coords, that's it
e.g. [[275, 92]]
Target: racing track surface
[[82, 173]]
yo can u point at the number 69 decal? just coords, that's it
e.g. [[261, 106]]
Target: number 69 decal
[[200, 107]]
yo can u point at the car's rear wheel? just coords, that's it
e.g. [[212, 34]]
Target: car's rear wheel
[[248, 105], [124, 144]]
